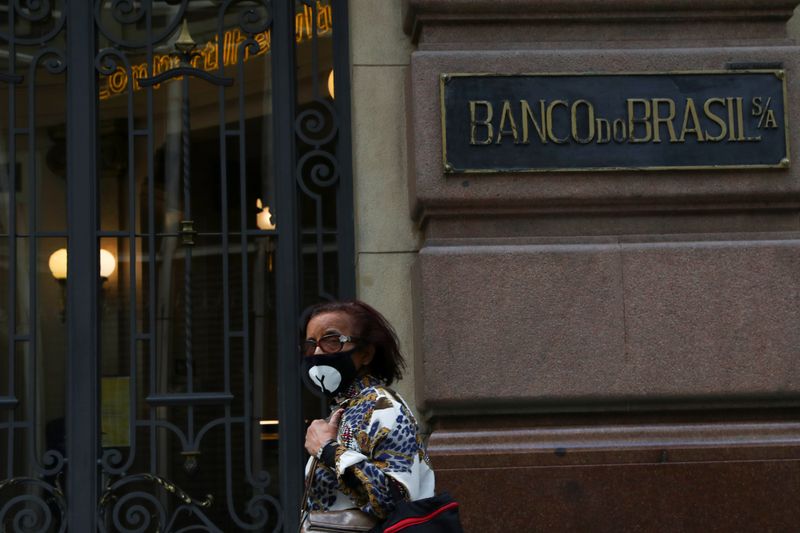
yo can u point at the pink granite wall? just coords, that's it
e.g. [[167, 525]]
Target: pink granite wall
[[615, 351]]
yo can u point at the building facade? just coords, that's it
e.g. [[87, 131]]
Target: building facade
[[604, 349], [598, 312]]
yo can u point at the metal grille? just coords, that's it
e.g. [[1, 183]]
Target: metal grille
[[31, 495], [194, 225]]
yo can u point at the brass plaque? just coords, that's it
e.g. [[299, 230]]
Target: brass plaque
[[590, 122]]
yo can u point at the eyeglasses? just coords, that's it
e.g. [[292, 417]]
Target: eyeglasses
[[328, 343]]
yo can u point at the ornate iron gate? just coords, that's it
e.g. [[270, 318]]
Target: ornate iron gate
[[174, 190]]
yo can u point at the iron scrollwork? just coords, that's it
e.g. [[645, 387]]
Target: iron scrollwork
[[136, 501], [30, 495], [318, 169], [126, 12], [35, 12], [132, 509], [29, 505]]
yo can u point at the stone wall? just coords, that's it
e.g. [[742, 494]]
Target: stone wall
[[615, 350], [387, 240]]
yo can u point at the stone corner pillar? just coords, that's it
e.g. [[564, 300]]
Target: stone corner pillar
[[615, 349]]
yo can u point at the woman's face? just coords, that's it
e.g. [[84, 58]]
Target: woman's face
[[339, 323]]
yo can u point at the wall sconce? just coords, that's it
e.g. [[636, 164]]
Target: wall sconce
[[58, 268], [108, 264], [330, 83], [264, 222], [264, 217], [58, 264]]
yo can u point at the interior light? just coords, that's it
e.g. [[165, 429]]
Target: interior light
[[330, 83], [58, 264], [264, 217], [107, 264]]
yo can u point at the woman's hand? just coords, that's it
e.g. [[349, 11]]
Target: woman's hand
[[321, 431]]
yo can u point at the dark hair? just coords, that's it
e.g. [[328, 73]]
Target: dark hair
[[373, 329]]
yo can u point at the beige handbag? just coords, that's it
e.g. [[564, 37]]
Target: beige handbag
[[337, 521], [332, 521]]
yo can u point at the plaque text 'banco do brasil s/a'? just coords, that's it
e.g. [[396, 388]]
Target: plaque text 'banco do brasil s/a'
[[580, 122]]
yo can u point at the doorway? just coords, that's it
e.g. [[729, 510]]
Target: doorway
[[174, 191]]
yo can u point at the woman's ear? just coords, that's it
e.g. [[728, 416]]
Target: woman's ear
[[369, 353]]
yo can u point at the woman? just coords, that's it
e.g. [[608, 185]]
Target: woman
[[370, 454]]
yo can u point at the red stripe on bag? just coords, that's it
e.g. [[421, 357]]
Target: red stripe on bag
[[408, 522]]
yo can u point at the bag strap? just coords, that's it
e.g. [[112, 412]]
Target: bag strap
[[311, 471], [304, 512], [307, 491]]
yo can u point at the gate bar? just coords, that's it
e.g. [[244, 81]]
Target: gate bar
[[82, 288], [290, 449]]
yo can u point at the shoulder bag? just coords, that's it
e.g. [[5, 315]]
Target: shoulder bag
[[438, 514], [348, 520]]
